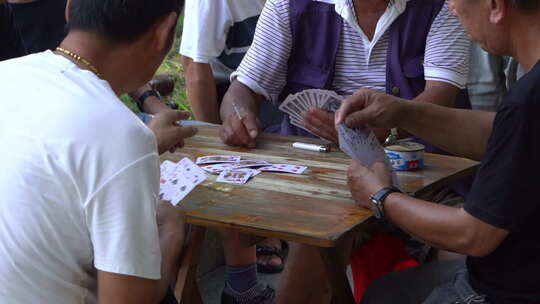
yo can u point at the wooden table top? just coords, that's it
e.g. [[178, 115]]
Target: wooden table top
[[314, 208]]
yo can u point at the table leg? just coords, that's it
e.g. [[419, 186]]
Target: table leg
[[336, 271], [187, 290]]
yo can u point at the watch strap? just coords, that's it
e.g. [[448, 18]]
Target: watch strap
[[144, 96], [378, 198]]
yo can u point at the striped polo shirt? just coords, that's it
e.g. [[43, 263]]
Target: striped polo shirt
[[360, 63]]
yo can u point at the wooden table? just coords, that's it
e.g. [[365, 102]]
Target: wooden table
[[314, 208]]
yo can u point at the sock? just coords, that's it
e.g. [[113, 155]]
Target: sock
[[242, 278]]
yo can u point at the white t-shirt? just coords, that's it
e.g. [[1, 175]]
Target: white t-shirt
[[79, 178], [219, 32]]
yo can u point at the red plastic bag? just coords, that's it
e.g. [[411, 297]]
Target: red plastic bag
[[382, 254]]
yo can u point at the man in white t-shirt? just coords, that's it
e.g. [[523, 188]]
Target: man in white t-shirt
[[216, 36], [80, 219]]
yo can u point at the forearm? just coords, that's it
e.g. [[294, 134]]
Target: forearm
[[171, 249], [438, 93], [241, 96], [461, 132], [201, 91], [434, 224], [152, 105]]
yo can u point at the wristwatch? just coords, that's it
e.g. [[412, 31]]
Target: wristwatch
[[377, 201], [145, 95]]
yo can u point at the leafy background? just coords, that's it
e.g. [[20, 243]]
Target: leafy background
[[171, 65]]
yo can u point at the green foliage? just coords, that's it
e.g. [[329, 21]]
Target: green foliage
[[171, 65], [130, 103]]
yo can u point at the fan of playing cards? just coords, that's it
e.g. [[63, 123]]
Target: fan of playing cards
[[297, 103], [178, 180], [362, 145]]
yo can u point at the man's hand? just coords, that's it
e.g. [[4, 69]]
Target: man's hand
[[169, 134], [371, 108], [240, 127], [364, 182], [321, 123]]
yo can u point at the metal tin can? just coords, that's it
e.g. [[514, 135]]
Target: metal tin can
[[406, 156]]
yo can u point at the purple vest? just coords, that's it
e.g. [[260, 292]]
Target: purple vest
[[316, 30]]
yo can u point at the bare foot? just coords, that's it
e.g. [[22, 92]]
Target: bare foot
[[272, 260]]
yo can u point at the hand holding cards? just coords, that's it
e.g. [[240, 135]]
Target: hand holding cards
[[296, 104], [362, 145]]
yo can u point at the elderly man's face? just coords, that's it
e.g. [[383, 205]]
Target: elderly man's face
[[482, 20]]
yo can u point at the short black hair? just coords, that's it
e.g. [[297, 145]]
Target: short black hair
[[119, 20], [526, 5]]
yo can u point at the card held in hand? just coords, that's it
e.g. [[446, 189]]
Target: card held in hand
[[296, 104], [362, 146]]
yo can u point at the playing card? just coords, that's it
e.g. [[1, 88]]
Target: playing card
[[362, 145], [217, 168], [292, 108], [297, 103], [285, 168], [313, 96], [332, 103], [178, 180], [217, 159], [234, 177], [298, 123], [191, 171], [166, 167], [250, 163], [253, 172], [176, 190], [304, 100]]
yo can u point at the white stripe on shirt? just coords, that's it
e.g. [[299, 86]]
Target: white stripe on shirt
[[359, 63]]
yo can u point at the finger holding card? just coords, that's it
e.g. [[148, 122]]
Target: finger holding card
[[321, 123], [362, 146]]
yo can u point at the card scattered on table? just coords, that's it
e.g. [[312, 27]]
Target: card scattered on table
[[234, 177], [178, 180], [217, 168], [213, 159], [297, 103], [233, 170], [250, 163], [285, 168]]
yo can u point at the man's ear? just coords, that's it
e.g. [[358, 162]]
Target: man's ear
[[498, 11], [164, 31], [68, 8]]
